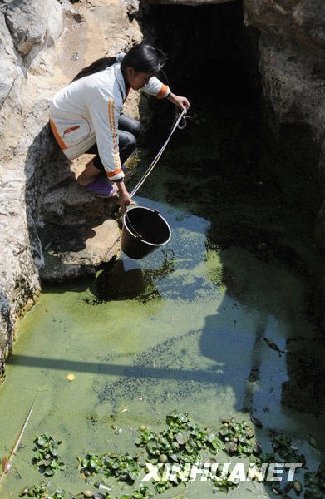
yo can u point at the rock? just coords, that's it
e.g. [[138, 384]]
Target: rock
[[8, 61], [95, 245], [297, 486], [29, 304], [320, 228], [132, 6], [291, 55], [302, 20], [70, 205], [191, 3], [34, 24]]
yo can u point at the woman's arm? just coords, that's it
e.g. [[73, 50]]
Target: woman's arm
[[179, 101], [161, 91]]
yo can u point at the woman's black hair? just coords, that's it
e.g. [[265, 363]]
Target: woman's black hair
[[95, 67], [144, 58]]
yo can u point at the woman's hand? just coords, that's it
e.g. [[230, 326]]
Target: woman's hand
[[124, 198], [179, 101]]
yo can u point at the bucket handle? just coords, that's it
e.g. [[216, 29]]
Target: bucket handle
[[135, 233]]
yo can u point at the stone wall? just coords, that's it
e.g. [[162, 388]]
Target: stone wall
[[26, 27], [42, 46], [292, 68]]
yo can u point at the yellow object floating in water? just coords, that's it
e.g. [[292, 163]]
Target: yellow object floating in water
[[71, 377]]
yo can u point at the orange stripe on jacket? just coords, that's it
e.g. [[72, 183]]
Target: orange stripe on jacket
[[115, 172], [116, 154], [162, 92], [71, 129], [59, 139]]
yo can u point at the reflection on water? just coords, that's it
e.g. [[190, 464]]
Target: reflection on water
[[118, 282]]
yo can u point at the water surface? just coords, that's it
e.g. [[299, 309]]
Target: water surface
[[181, 329]]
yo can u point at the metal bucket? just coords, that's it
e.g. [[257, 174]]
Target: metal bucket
[[144, 230]]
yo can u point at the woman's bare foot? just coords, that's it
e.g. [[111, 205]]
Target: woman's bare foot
[[89, 175]]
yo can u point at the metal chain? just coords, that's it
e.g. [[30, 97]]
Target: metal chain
[[157, 158]]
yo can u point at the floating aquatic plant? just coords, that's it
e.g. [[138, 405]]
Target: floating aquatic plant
[[282, 447], [38, 491], [124, 467], [238, 438], [46, 457], [223, 484], [41, 492], [181, 442]]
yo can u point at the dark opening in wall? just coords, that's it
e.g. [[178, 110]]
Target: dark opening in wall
[[213, 60], [210, 52]]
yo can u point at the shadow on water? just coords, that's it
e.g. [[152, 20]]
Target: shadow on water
[[135, 372], [118, 282]]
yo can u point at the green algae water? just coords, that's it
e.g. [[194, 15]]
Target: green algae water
[[188, 328]]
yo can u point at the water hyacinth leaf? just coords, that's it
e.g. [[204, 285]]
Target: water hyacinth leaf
[[211, 437], [189, 449], [132, 477], [182, 438], [40, 441]]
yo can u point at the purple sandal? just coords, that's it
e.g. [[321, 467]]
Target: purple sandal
[[101, 187]]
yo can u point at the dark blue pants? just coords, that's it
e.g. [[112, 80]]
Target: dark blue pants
[[128, 130]]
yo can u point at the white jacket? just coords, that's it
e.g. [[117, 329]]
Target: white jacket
[[87, 112]]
